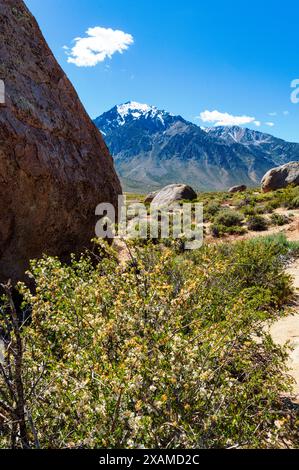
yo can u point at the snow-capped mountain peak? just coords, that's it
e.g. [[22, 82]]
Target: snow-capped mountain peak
[[134, 112], [134, 108]]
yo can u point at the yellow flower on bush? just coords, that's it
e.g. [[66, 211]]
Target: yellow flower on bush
[[138, 405]]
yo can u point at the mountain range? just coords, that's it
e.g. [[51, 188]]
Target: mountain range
[[153, 148]]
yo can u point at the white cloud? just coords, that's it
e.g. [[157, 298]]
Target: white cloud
[[273, 114], [270, 124], [286, 113], [258, 123], [100, 43], [224, 119]]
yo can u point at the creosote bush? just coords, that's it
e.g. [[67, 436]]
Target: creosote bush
[[169, 351]]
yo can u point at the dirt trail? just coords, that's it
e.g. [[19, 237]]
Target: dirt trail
[[287, 329]]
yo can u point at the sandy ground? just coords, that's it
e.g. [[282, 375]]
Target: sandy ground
[[287, 330]]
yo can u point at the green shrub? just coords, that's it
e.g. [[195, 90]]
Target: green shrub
[[240, 201], [219, 230], [262, 209], [236, 230], [294, 204], [248, 210], [279, 219], [257, 223], [211, 209], [229, 218], [285, 197], [271, 206], [278, 244]]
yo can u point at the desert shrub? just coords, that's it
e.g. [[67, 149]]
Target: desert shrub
[[257, 223], [294, 203], [160, 353], [279, 219], [285, 197], [240, 200], [263, 257], [229, 218], [262, 209], [211, 209], [236, 230], [248, 210], [271, 206], [253, 201], [219, 230], [278, 244]]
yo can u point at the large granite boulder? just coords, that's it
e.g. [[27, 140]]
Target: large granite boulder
[[54, 165], [173, 193], [237, 189], [281, 177]]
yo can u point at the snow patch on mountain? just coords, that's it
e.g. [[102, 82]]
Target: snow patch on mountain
[[243, 135], [135, 110]]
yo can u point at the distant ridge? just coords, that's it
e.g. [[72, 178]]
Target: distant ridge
[[152, 148]]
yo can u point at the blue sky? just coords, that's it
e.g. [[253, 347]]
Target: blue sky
[[185, 56]]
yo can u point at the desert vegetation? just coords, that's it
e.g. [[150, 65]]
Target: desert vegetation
[[167, 351], [249, 211], [229, 216]]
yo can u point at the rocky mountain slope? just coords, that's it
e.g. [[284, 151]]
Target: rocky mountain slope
[[259, 143], [153, 148], [54, 165]]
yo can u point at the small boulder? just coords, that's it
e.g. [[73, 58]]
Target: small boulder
[[238, 189], [173, 193], [281, 177]]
